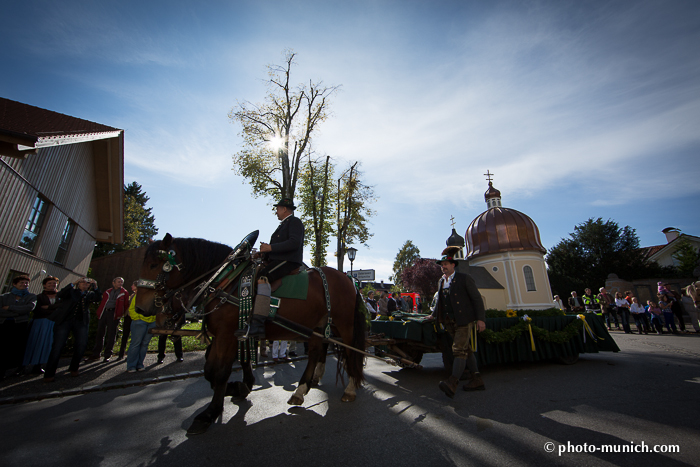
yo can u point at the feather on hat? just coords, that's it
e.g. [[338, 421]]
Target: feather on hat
[[449, 254]]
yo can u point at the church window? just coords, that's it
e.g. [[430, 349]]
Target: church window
[[529, 279]]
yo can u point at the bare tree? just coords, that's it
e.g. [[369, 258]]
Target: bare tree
[[277, 132]]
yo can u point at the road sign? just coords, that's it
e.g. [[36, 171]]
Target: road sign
[[363, 275]]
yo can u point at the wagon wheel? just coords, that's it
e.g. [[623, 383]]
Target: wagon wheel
[[411, 353]]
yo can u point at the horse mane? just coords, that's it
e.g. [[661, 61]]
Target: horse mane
[[692, 290], [196, 254]]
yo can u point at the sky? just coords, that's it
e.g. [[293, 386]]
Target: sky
[[580, 108]]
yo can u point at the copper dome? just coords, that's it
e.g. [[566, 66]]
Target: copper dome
[[502, 229], [491, 192]]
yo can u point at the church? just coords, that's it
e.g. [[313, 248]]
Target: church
[[505, 256]]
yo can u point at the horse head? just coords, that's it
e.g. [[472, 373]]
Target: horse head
[[171, 269], [162, 273]]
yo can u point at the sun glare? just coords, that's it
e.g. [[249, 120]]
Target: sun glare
[[276, 143]]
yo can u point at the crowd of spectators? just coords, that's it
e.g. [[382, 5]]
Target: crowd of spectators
[[665, 310], [35, 329], [387, 304]]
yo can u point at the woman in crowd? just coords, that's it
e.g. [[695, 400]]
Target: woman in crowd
[[140, 338], [623, 310], [690, 301], [639, 315], [558, 303], [665, 305], [382, 304], [15, 307], [41, 332]]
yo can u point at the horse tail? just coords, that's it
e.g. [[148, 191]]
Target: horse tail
[[356, 361]]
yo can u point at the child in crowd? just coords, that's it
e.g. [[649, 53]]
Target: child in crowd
[[655, 312]]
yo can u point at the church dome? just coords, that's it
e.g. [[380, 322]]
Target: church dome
[[491, 193], [455, 239], [502, 229]]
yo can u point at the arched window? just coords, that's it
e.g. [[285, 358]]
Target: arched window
[[529, 279]]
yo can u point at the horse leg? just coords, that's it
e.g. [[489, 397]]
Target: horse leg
[[320, 367], [306, 382], [350, 394], [239, 390], [217, 371]]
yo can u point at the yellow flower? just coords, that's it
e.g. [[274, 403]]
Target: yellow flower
[[391, 318], [511, 313]]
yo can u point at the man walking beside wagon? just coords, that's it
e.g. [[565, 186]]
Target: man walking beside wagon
[[461, 310]]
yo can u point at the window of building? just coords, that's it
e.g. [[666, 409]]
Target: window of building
[[7, 286], [529, 279], [33, 227], [65, 242]]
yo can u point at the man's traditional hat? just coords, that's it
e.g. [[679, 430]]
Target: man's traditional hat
[[286, 202], [449, 254]]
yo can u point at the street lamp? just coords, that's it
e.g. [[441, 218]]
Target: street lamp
[[352, 252]]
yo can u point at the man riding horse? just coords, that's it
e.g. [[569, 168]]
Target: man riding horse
[[284, 254]]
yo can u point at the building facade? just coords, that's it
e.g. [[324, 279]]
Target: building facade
[[61, 190]]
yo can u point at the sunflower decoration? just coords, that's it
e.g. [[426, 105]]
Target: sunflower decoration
[[511, 314]]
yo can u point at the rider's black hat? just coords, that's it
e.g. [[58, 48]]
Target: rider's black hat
[[286, 202]]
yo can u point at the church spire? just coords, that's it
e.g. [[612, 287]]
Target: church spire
[[492, 195]]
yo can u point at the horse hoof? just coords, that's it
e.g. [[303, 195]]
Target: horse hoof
[[295, 400], [198, 427], [237, 390], [314, 383], [348, 398]]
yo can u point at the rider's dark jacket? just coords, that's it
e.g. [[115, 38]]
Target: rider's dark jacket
[[287, 242]]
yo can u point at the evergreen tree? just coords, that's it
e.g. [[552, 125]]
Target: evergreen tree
[[687, 256]]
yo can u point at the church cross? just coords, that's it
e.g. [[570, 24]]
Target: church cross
[[489, 175], [452, 218]]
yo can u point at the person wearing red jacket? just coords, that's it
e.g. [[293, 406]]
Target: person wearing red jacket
[[114, 304]]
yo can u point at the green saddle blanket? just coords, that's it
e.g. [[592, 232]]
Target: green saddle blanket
[[294, 286]]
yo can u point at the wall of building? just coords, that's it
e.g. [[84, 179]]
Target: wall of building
[[126, 264], [64, 176], [510, 274]]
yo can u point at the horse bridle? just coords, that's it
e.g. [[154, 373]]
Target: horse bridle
[[242, 251], [159, 285]]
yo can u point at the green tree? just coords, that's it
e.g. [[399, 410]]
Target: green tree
[[139, 223], [352, 211], [687, 256], [367, 289], [406, 257], [277, 132], [316, 207], [594, 250]]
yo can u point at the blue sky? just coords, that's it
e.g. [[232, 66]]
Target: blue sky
[[580, 108]]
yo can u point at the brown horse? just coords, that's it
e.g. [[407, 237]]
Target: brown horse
[[172, 263]]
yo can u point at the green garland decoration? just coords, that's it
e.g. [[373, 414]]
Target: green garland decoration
[[493, 313], [513, 332]]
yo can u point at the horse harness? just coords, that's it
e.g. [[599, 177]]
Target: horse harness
[[236, 270]]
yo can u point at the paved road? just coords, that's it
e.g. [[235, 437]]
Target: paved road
[[646, 393]]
